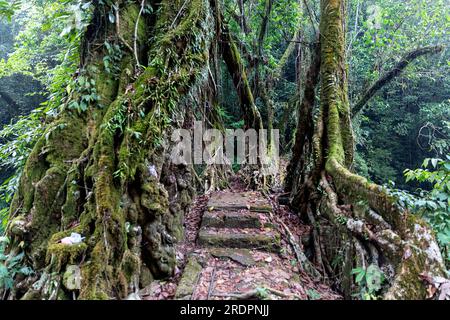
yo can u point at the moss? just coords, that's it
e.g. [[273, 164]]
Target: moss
[[17, 226], [146, 277], [106, 85], [32, 295], [94, 275], [66, 140], [131, 265], [189, 279], [128, 18], [154, 198], [420, 256], [64, 254], [62, 296], [71, 208], [45, 212], [35, 168]]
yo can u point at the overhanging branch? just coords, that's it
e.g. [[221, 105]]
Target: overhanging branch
[[390, 75]]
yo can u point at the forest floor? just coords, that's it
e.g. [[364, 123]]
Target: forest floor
[[236, 248]]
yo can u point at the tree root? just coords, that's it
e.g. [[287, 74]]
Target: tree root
[[303, 261]]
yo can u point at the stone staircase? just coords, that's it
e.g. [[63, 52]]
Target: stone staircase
[[240, 254], [235, 226], [238, 220]]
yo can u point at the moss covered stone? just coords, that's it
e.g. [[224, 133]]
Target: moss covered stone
[[189, 279]]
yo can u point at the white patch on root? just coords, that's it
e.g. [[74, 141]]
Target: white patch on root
[[429, 245], [355, 225]]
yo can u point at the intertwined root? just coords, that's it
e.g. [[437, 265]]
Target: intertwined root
[[379, 233]]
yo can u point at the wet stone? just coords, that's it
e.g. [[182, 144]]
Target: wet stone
[[189, 279]]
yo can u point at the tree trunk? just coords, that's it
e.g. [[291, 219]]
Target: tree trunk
[[105, 173], [358, 223]]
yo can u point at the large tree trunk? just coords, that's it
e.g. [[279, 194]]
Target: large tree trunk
[[356, 223], [105, 173]]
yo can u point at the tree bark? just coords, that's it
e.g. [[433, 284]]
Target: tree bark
[[305, 126]]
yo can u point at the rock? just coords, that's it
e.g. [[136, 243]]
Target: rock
[[241, 256], [72, 278], [182, 183], [146, 277], [134, 296], [189, 279], [18, 227], [32, 294], [252, 201], [158, 251]]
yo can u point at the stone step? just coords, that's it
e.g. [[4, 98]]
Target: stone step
[[232, 219], [241, 238], [230, 201], [242, 256]]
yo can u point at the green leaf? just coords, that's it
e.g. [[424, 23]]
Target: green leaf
[[3, 271], [357, 270], [112, 17], [360, 277], [434, 162], [374, 278]]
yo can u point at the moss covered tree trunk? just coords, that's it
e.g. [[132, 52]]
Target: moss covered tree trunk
[[356, 223], [105, 172]]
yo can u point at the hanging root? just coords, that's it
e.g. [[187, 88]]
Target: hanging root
[[304, 264]]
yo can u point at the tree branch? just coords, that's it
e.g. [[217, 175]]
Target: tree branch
[[236, 68], [394, 72], [285, 57]]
